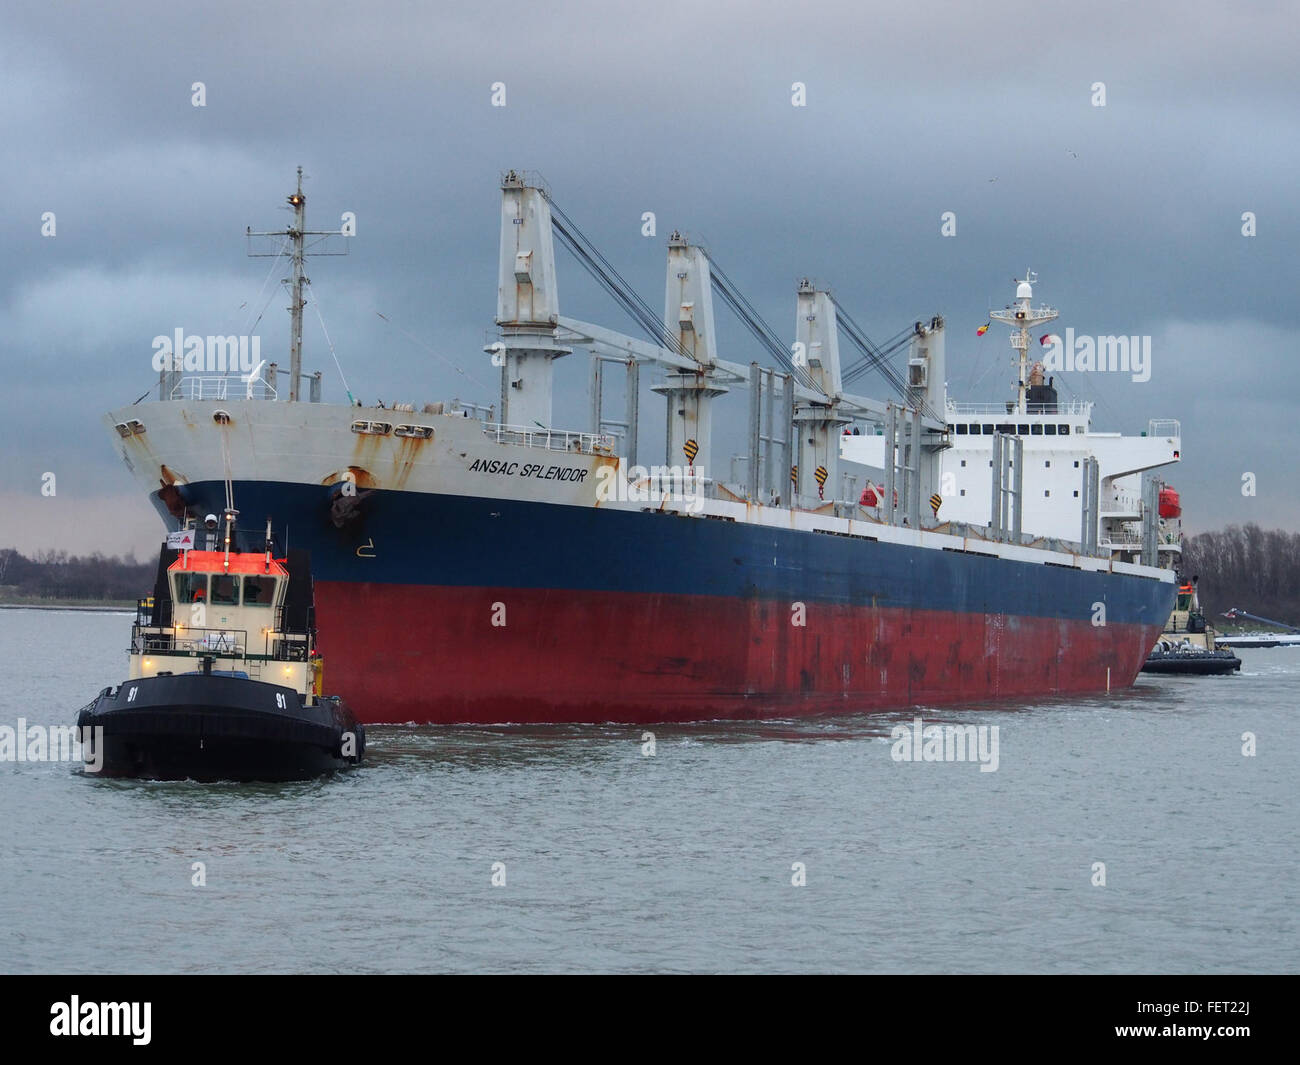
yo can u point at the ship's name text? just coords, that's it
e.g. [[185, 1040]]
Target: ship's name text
[[529, 469]]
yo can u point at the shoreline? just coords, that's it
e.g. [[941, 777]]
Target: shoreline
[[94, 608]]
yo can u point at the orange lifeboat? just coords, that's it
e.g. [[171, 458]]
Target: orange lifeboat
[[872, 496], [1170, 507]]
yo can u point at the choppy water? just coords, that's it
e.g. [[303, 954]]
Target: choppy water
[[680, 861]]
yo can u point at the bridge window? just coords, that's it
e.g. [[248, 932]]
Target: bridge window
[[225, 589], [1064, 430], [1049, 430], [1022, 429], [988, 429], [189, 587], [259, 591], [1036, 429], [960, 429]]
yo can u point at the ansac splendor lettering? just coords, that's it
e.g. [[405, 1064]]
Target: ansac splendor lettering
[[529, 469]]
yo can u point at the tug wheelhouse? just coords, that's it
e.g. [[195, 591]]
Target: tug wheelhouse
[[233, 610]]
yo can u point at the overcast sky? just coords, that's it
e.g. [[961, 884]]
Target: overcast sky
[[1130, 213]]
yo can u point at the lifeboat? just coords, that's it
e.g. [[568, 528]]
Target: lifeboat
[[873, 495], [1170, 506]]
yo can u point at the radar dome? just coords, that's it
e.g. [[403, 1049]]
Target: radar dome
[[1024, 291]]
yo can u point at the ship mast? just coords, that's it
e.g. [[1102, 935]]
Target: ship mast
[[1022, 318], [295, 235], [299, 204]]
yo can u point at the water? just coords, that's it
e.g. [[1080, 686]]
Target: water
[[677, 862]]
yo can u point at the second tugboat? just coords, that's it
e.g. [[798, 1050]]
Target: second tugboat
[[1188, 643], [224, 680]]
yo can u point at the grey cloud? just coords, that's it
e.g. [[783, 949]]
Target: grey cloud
[[683, 109]]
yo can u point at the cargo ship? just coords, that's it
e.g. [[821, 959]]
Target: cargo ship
[[477, 564]]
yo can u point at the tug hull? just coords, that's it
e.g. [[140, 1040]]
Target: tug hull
[[210, 727]]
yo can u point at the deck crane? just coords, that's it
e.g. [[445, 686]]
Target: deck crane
[[876, 358], [915, 421], [533, 334]]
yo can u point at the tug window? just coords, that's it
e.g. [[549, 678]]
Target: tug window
[[189, 587], [225, 589], [259, 591]]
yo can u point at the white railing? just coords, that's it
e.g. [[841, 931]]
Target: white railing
[[1164, 541], [1122, 505], [230, 387], [551, 439], [1165, 427], [1067, 406]]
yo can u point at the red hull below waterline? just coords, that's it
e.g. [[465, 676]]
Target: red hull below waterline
[[442, 655]]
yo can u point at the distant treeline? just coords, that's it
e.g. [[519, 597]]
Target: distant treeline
[[58, 575], [1246, 567]]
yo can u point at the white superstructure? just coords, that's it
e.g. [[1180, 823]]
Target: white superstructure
[[1057, 440]]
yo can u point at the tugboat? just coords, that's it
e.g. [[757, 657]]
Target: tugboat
[[1187, 645], [224, 680]]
